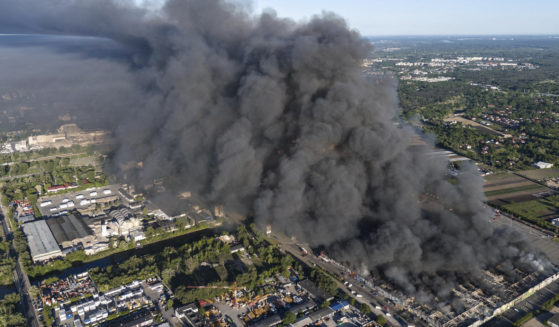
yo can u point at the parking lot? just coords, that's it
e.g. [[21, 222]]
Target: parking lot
[[59, 204], [539, 240]]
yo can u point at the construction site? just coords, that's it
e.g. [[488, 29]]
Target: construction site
[[242, 307]]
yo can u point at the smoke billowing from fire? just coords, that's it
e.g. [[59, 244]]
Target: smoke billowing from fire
[[274, 119]]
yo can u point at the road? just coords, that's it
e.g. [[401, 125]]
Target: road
[[368, 296], [54, 156], [7, 178], [21, 280], [167, 314]]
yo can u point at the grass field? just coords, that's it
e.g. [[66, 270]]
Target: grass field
[[538, 211], [535, 209]]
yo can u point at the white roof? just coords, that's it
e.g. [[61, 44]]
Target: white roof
[[40, 238]]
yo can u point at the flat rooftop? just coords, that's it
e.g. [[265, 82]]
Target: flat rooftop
[[68, 228], [40, 238]]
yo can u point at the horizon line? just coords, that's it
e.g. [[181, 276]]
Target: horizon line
[[462, 35]]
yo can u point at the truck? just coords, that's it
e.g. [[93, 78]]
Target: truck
[[46, 203], [304, 251]]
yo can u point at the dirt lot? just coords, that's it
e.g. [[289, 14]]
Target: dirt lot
[[476, 125]]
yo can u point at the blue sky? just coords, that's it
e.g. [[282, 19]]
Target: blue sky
[[430, 17]]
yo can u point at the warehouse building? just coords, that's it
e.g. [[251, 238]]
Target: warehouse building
[[41, 241], [70, 231]]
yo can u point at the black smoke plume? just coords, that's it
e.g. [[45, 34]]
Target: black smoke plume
[[274, 119]]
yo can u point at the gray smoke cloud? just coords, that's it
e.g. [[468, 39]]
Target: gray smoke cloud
[[273, 119]]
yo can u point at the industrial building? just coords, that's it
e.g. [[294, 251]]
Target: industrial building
[[41, 241], [123, 222], [67, 136], [189, 314], [70, 231], [169, 206], [128, 199]]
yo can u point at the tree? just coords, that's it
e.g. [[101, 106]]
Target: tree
[[365, 308], [381, 320], [289, 318], [34, 291]]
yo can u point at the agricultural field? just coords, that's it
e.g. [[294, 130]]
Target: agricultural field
[[507, 188], [540, 174], [521, 197]]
